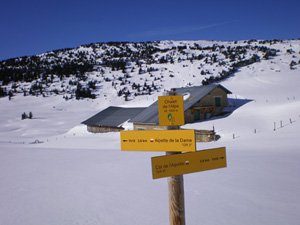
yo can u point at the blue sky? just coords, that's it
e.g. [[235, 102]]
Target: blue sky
[[36, 26]]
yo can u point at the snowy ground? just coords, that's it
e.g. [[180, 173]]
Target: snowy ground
[[53, 172]]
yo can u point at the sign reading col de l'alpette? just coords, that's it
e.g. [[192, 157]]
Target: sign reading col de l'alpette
[[173, 165]]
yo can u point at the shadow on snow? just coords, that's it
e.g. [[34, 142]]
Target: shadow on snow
[[233, 104]]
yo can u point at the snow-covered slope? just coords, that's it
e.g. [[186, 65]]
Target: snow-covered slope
[[54, 172], [132, 70]]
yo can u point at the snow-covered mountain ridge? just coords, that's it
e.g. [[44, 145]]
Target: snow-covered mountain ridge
[[128, 70]]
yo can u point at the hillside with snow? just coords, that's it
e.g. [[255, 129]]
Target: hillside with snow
[[52, 171], [130, 70]]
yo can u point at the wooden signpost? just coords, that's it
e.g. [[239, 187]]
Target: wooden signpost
[[173, 141]]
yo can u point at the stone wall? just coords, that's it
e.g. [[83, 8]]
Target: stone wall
[[201, 135], [206, 136], [98, 129], [206, 107], [137, 126]]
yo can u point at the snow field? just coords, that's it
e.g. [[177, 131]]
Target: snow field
[[75, 177]]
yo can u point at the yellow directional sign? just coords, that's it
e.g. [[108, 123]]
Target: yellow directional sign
[[170, 110], [177, 164], [154, 140]]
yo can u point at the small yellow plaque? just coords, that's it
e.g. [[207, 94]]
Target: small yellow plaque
[[171, 110]]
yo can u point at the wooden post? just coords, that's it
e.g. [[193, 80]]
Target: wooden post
[[176, 200], [176, 190]]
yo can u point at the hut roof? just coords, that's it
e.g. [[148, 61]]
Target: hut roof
[[112, 116]]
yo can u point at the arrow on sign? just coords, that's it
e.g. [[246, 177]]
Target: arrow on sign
[[163, 140], [173, 165]]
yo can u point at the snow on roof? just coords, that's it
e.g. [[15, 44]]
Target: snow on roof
[[112, 116]]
